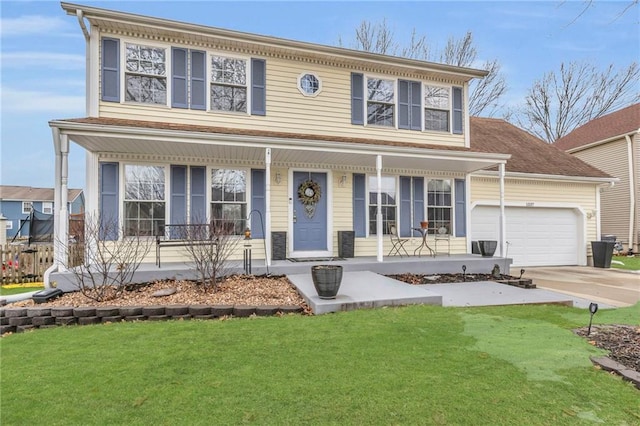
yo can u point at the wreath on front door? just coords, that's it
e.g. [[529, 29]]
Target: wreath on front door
[[309, 194]]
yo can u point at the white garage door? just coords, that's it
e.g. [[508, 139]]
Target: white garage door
[[536, 236]]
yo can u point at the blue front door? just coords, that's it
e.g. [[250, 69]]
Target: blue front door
[[310, 221]]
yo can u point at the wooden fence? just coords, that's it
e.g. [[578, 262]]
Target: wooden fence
[[24, 264]]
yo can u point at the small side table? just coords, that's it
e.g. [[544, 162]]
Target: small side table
[[424, 232]]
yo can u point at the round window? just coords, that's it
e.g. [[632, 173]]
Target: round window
[[309, 84]]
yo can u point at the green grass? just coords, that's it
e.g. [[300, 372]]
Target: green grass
[[630, 263], [412, 365], [17, 290]]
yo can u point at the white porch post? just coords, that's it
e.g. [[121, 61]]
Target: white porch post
[[379, 208], [64, 198], [503, 222], [267, 207]]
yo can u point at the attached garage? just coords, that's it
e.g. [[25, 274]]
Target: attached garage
[[536, 236]]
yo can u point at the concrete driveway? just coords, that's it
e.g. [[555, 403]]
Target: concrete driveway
[[610, 286]]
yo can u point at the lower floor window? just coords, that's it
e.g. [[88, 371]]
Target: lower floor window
[[144, 218], [439, 205], [144, 202], [229, 200], [388, 205]]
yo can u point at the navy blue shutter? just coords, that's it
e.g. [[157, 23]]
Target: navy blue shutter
[[179, 77], [109, 201], [258, 87], [198, 195], [457, 110], [404, 114], [404, 227], [357, 98], [359, 206], [258, 202], [178, 196], [461, 208], [415, 105], [111, 70], [418, 201], [198, 79]]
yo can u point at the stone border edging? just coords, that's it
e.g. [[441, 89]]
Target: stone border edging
[[608, 364], [16, 320]]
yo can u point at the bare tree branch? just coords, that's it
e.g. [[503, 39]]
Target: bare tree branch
[[560, 102]]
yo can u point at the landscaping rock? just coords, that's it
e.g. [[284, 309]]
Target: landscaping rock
[[204, 317], [266, 311], [199, 310], [114, 318], [291, 309], [23, 328], [107, 311], [15, 312], [16, 321], [164, 292], [243, 311], [158, 317], [7, 329], [181, 317], [135, 318]]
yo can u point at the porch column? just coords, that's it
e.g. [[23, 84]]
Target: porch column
[[59, 244], [379, 209], [267, 207], [503, 222], [64, 197]]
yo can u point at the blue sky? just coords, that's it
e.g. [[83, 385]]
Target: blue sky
[[42, 51]]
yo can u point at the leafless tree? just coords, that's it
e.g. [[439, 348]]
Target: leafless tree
[[485, 94], [107, 266], [580, 92], [209, 246], [589, 3]]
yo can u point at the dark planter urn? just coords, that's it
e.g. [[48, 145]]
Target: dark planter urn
[[487, 247], [327, 280]]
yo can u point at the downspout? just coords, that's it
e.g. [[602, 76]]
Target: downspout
[[503, 222], [632, 192], [379, 209], [57, 191], [87, 54]]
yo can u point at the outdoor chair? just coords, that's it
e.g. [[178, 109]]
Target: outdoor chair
[[442, 235], [397, 243]]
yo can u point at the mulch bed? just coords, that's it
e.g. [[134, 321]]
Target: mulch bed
[[418, 279], [622, 342]]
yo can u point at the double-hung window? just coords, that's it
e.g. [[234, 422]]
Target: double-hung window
[[436, 108], [439, 204], [380, 102], [27, 206], [47, 207], [388, 206], [144, 199], [146, 74], [229, 199], [228, 84]]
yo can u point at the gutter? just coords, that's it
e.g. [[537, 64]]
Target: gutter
[[560, 178]]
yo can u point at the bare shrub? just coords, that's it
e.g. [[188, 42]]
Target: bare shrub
[[209, 246], [109, 263]]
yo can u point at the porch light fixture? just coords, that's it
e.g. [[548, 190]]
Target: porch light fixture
[[278, 178], [343, 180]]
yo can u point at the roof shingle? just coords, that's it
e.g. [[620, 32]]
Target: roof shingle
[[621, 122]]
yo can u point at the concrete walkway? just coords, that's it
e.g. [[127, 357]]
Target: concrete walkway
[[609, 286], [364, 289]]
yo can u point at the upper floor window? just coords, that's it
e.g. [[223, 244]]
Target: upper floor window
[[436, 108], [309, 84], [229, 199], [47, 207], [228, 84], [144, 199], [388, 205], [145, 74], [380, 102], [27, 206]]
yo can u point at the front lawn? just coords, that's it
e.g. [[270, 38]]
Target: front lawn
[[10, 289], [411, 365], [629, 263]]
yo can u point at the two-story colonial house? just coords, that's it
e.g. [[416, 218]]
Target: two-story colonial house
[[187, 122]]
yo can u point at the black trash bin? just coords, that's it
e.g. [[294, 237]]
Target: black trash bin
[[602, 253]]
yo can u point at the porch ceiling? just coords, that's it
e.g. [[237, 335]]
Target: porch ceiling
[[284, 152]]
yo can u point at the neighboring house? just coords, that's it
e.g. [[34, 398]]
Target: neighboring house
[[187, 123], [612, 144], [17, 202]]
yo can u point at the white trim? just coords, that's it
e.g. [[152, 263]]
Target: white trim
[[539, 176], [329, 194], [466, 131], [311, 73], [582, 224], [632, 193]]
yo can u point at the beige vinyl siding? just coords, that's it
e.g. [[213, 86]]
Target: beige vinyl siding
[[327, 114], [612, 158], [541, 193]]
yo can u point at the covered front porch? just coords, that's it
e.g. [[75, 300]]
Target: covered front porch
[[274, 163]]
